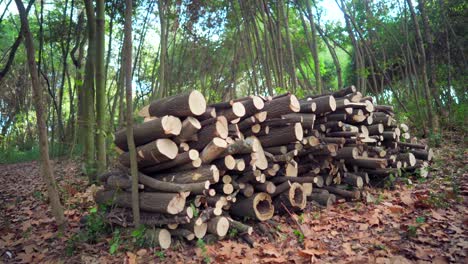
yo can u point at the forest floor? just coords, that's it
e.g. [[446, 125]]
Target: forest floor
[[424, 221]]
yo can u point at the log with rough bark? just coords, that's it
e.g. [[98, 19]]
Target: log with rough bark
[[213, 150], [218, 226], [189, 129], [294, 199], [167, 203], [281, 106], [183, 105], [259, 207], [282, 135], [164, 127], [155, 152], [206, 134], [181, 159], [202, 174]]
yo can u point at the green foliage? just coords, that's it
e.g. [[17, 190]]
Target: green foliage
[[115, 242], [160, 254], [299, 235], [202, 245], [233, 232], [139, 238]]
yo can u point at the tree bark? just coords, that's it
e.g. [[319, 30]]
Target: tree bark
[[46, 166]]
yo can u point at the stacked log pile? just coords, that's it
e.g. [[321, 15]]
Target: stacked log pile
[[203, 166]]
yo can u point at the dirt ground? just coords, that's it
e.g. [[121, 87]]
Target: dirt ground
[[418, 221]]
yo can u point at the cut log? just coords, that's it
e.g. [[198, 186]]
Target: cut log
[[158, 237], [183, 105], [199, 230], [213, 150], [282, 106], [226, 163], [218, 226], [267, 187], [409, 158], [259, 207], [155, 152], [282, 135], [240, 227], [325, 104], [355, 195], [294, 199], [202, 174], [371, 163], [164, 186], [353, 180], [164, 127], [183, 233], [324, 199], [190, 127], [207, 133], [188, 166], [237, 110], [180, 159], [167, 203], [423, 154], [347, 153]]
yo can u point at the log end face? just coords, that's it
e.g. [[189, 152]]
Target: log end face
[[164, 239], [332, 103], [298, 131], [197, 103], [294, 105], [171, 125], [167, 147], [258, 102], [176, 204], [200, 230], [263, 206]]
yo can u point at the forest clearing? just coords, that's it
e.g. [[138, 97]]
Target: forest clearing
[[229, 131]]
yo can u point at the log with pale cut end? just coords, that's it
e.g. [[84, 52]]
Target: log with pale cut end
[[307, 106], [202, 174], [370, 163], [164, 127], [225, 163], [213, 150], [423, 154], [248, 190], [267, 186], [124, 217], [240, 227], [190, 127], [281, 188], [188, 104], [412, 145], [183, 233], [345, 91], [353, 179], [282, 135], [407, 158], [155, 152], [259, 207], [120, 181], [347, 153], [158, 237], [199, 230], [355, 195], [324, 199], [164, 186], [218, 226], [168, 203], [207, 133], [194, 164], [237, 110], [181, 159], [294, 199], [282, 106], [324, 104]]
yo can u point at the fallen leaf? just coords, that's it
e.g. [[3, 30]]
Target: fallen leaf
[[312, 252], [132, 258], [436, 215], [406, 198], [270, 250], [363, 227], [142, 252], [347, 249], [274, 260]]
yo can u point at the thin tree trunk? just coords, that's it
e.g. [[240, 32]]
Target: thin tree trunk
[[314, 48], [127, 61], [101, 129], [47, 171], [162, 62], [88, 102], [433, 119]]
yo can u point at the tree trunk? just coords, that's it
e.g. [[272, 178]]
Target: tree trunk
[[46, 166], [101, 130]]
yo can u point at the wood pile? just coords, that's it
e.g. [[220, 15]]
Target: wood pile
[[203, 166]]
